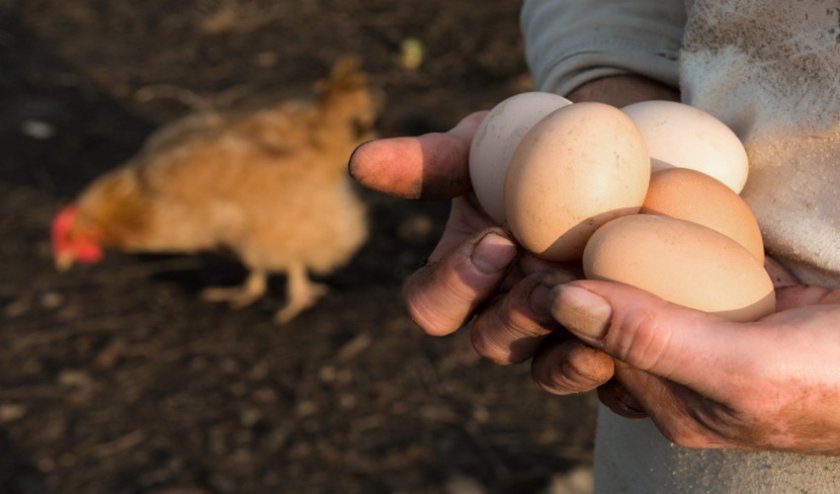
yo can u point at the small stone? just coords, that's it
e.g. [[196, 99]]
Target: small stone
[[306, 408], [464, 485], [250, 417], [11, 411], [17, 308], [37, 129], [52, 300], [412, 53], [75, 378], [576, 481], [347, 401], [266, 59]]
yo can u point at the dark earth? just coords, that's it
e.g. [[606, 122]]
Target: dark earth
[[117, 378]]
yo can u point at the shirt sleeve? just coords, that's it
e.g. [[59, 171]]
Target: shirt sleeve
[[570, 42]]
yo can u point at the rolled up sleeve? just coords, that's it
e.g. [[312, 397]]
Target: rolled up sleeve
[[570, 42]]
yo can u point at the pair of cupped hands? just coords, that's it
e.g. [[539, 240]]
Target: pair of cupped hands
[[772, 384]]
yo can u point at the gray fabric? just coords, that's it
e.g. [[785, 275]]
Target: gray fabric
[[771, 71], [632, 457], [569, 43]]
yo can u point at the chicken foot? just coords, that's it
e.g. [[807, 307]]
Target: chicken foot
[[302, 293], [239, 296]]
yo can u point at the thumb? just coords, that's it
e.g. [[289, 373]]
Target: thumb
[[635, 327], [431, 166]]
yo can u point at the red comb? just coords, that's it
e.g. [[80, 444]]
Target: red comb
[[83, 249], [61, 224]]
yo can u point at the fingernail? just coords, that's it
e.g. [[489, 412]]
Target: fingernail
[[351, 162], [493, 253], [539, 299], [581, 311]]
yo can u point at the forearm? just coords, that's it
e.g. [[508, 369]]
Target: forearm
[[623, 90]]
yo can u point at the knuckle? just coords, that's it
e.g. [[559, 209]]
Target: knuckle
[[565, 378], [491, 338], [588, 365], [684, 430], [682, 436], [643, 342], [506, 332], [435, 315], [568, 368], [487, 346]]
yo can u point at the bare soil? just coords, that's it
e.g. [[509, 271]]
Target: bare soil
[[116, 378]]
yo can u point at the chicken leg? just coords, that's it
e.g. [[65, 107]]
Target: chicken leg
[[239, 296], [302, 293]]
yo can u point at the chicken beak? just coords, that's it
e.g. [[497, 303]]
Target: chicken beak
[[63, 261]]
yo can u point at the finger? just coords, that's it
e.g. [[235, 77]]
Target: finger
[[513, 327], [568, 367], [615, 396], [791, 297], [781, 276], [431, 166], [683, 416], [465, 219], [530, 263], [442, 296], [672, 342]]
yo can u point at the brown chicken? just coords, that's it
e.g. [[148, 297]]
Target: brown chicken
[[270, 186]]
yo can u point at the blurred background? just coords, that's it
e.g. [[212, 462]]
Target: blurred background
[[117, 378]]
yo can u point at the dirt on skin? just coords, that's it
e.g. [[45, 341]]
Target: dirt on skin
[[116, 378]]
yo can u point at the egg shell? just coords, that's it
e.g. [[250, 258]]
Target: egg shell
[[579, 167], [681, 262], [694, 196], [680, 135], [496, 139]]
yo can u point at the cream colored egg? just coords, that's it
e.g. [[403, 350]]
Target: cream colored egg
[[681, 262], [496, 139], [680, 135], [694, 196], [579, 167]]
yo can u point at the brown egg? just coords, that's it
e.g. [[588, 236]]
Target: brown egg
[[694, 196], [579, 167], [682, 262]]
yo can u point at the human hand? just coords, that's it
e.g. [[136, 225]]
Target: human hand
[[476, 270], [474, 260], [475, 264], [773, 384]]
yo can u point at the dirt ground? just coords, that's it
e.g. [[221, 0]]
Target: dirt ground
[[116, 378]]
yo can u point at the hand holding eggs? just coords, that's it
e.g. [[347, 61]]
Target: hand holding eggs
[[578, 176]]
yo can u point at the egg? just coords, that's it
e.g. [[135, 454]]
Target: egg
[[579, 167], [680, 135], [694, 196], [682, 262], [496, 139]]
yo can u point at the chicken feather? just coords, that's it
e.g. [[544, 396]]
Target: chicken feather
[[270, 186]]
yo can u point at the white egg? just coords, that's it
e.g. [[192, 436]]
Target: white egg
[[496, 139], [682, 136]]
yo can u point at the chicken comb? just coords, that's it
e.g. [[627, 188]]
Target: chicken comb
[[61, 225], [83, 249]]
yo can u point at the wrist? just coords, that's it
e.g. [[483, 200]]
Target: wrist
[[623, 90]]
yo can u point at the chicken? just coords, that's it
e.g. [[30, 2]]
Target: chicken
[[270, 186]]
